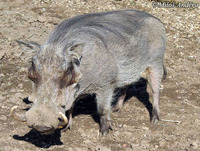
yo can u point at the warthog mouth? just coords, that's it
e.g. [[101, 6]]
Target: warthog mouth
[[44, 130], [41, 129]]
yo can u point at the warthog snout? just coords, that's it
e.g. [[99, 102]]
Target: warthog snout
[[47, 126]]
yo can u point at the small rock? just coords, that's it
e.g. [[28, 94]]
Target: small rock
[[42, 19], [1, 98], [3, 117], [194, 145], [120, 125], [102, 148], [128, 134], [2, 55], [2, 75], [198, 39], [116, 134], [162, 143], [18, 95], [125, 126], [20, 85], [87, 141], [145, 128], [197, 121], [134, 146], [23, 69]]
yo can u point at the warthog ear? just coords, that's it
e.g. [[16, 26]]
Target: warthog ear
[[29, 49]]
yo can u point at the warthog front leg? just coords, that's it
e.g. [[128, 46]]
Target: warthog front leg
[[104, 110]]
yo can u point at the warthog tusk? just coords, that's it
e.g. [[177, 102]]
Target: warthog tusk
[[16, 116], [64, 119]]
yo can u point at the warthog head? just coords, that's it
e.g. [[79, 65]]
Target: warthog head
[[55, 78]]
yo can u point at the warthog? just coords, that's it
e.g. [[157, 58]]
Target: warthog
[[92, 54]]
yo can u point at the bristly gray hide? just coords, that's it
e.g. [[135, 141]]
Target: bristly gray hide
[[93, 54]]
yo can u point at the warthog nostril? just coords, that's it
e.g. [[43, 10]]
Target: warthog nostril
[[42, 129]]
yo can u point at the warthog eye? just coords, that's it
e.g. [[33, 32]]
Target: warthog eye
[[33, 74]]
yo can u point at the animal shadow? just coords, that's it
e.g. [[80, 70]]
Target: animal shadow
[[42, 141], [87, 105], [139, 90]]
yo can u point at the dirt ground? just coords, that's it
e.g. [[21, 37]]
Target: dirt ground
[[180, 92]]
